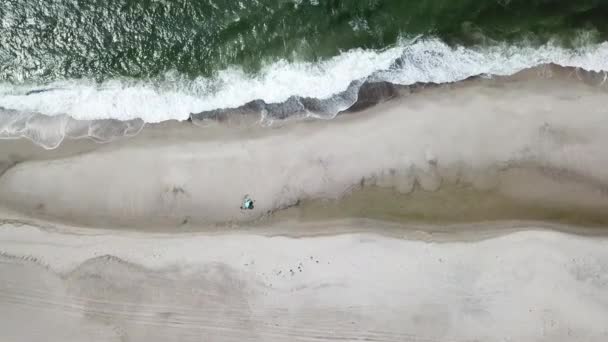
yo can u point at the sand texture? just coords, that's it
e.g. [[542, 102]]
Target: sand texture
[[526, 286]]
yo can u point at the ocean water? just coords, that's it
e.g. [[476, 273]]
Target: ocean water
[[155, 60]]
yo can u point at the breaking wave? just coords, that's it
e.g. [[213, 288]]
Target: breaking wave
[[47, 113]]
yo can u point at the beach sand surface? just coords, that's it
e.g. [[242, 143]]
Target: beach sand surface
[[532, 285]]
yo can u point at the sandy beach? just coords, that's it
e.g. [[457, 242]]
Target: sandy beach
[[472, 211], [534, 140], [117, 286]]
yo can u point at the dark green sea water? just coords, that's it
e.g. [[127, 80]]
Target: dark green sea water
[[45, 40]]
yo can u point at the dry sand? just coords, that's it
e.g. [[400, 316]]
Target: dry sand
[[112, 286]]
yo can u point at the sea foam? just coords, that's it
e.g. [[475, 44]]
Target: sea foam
[[175, 97]]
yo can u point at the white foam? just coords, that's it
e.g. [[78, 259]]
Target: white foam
[[428, 60], [434, 61]]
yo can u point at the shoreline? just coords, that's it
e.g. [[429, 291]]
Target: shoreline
[[64, 130], [530, 150]]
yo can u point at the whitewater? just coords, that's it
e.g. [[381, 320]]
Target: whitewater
[[175, 97]]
